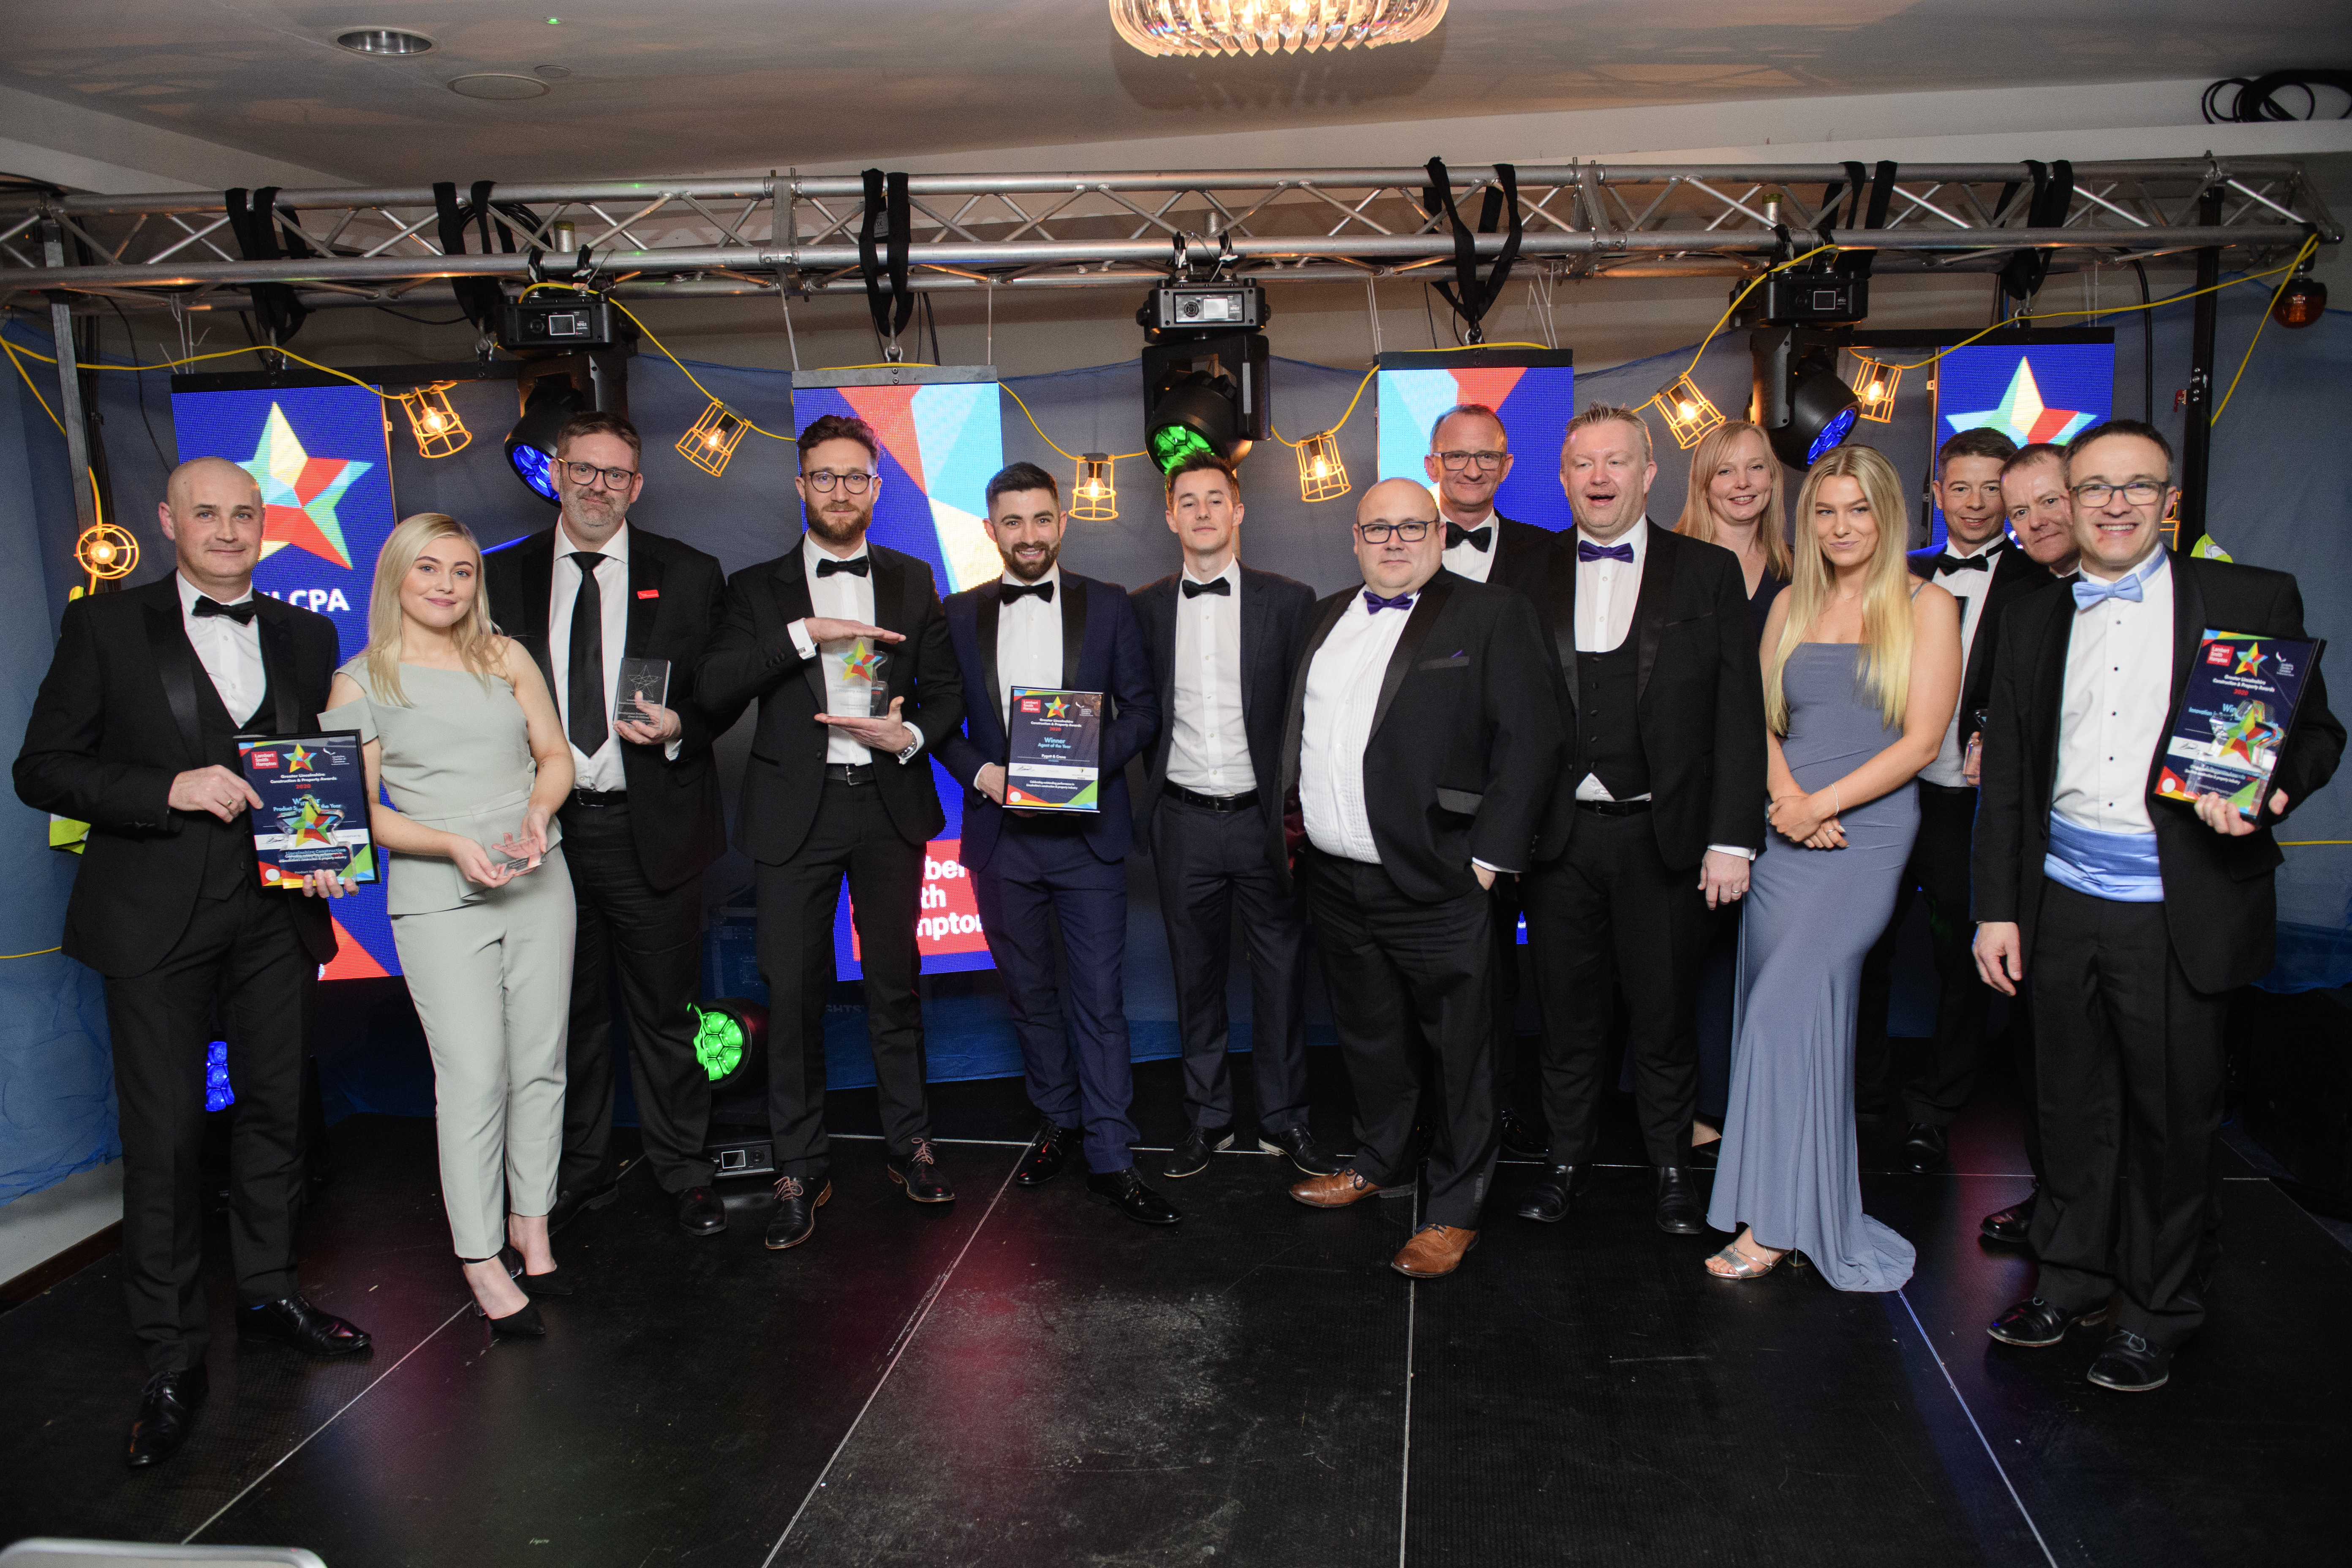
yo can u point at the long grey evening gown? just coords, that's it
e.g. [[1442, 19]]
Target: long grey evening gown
[[1788, 1168]]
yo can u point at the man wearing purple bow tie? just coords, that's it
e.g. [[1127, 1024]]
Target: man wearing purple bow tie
[[1417, 760]]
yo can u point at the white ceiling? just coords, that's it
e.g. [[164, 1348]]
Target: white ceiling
[[680, 85]]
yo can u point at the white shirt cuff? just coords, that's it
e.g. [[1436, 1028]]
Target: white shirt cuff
[[670, 751], [1741, 850], [1496, 870], [801, 640]]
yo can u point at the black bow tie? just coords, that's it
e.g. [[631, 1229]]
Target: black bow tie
[[859, 565], [1479, 539], [1013, 591], [1218, 586], [1947, 562], [242, 613]]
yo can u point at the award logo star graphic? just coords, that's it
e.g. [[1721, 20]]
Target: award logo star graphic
[[2021, 416], [300, 760], [859, 663], [2250, 661], [307, 823], [1055, 707], [2245, 731], [299, 493]]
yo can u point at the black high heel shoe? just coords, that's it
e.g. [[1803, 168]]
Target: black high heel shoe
[[527, 1324], [551, 1283]]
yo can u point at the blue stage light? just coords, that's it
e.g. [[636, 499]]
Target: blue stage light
[[1833, 435], [219, 1095]]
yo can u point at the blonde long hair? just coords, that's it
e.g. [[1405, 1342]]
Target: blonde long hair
[[1885, 595], [1697, 520], [477, 639]]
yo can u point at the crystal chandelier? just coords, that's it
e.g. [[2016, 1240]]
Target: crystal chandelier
[[1264, 26]]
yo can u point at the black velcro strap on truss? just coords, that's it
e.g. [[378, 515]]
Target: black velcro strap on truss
[[1470, 296], [254, 223], [483, 299], [2054, 195], [1857, 263], [1851, 189], [886, 219]]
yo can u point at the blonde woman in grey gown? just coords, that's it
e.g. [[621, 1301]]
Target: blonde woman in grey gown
[[1862, 668], [457, 727]]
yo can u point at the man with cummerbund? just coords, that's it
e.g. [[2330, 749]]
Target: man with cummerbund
[[134, 733], [1654, 820], [1222, 639], [832, 791], [1419, 751], [644, 818], [2134, 916]]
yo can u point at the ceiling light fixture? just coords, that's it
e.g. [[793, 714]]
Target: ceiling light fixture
[[1194, 28], [433, 420], [498, 86], [1322, 473], [713, 439], [386, 41], [1689, 412], [1095, 498]]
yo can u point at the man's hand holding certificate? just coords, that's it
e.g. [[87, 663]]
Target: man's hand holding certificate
[[1055, 744]]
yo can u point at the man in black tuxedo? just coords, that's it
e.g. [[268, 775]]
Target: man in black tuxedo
[[2135, 916], [1038, 626], [1655, 817], [134, 733], [1222, 639], [1419, 751], [1469, 458], [644, 818], [830, 792]]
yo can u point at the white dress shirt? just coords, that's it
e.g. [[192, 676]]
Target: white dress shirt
[[1028, 642], [1606, 593], [601, 770], [230, 653], [1971, 588], [1466, 559], [2117, 694], [1208, 745], [1343, 687]]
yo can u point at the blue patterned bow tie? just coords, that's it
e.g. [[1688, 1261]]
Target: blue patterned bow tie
[[1588, 551], [1374, 604], [2089, 591]]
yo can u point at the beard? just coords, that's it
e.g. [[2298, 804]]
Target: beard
[[846, 530], [1031, 572]]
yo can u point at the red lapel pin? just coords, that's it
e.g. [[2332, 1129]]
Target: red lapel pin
[[649, 592]]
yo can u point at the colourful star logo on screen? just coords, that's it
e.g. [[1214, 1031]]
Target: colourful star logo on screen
[[1055, 707], [859, 663], [2250, 661], [307, 823], [2021, 414], [299, 493], [300, 760]]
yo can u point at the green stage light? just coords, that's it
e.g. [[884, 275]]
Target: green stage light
[[1171, 444], [731, 1042], [717, 1043]]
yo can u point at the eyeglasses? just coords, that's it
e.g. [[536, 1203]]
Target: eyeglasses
[[2139, 492], [1454, 462], [824, 479], [1378, 533], [589, 474]]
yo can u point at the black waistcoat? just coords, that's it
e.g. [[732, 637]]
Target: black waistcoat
[[1608, 688], [228, 848]]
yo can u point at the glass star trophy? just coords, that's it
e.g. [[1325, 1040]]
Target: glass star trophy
[[866, 679], [644, 686]]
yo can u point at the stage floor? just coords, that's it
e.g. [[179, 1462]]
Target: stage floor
[[1027, 1378]]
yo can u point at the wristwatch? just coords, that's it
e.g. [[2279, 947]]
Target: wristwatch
[[912, 747]]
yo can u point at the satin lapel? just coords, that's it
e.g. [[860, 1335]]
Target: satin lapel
[[1424, 613], [1563, 620], [1650, 603], [538, 584], [985, 613], [889, 582], [2188, 631], [1074, 629], [176, 667], [1293, 724], [645, 573], [1253, 620], [2050, 693], [791, 587], [279, 670]]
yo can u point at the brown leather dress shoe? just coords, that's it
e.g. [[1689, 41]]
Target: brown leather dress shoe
[[1336, 1191], [1434, 1251]]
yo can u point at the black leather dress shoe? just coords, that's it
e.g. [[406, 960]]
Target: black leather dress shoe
[[2009, 1224], [1926, 1148], [918, 1172], [292, 1321], [700, 1212], [794, 1220], [2035, 1324], [1190, 1157], [1521, 1141], [1299, 1146], [167, 1413], [1549, 1200], [2129, 1364], [569, 1202], [1048, 1152], [1678, 1210], [1125, 1191]]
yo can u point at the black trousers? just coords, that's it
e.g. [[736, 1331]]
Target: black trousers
[[1392, 962], [1939, 1088], [1505, 897], [642, 948], [240, 969], [2129, 1066], [1610, 906], [852, 838], [1208, 864]]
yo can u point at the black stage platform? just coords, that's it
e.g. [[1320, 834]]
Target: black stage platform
[[1026, 1378]]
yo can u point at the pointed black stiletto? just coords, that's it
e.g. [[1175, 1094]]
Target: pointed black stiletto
[[551, 1283], [526, 1325]]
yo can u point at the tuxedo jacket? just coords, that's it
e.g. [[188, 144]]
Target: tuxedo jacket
[[114, 723], [1102, 651], [1275, 613], [1465, 737], [2220, 904], [752, 657], [674, 594], [2012, 572], [1699, 704], [1525, 556]]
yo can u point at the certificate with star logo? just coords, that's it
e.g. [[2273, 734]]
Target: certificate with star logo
[[314, 807], [2235, 715], [1055, 754]]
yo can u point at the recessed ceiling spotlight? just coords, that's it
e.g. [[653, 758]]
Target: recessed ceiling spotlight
[[553, 73], [499, 86], [385, 41]]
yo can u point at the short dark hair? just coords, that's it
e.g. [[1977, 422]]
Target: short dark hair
[[2038, 452], [1984, 441], [840, 428], [1016, 476], [1479, 409], [1203, 463], [2140, 428], [596, 422]]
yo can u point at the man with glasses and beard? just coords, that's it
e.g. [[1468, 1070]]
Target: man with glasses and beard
[[833, 790], [644, 818]]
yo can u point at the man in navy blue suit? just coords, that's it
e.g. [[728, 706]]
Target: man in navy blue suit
[[1039, 626]]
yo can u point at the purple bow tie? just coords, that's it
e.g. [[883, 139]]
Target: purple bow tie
[[1374, 604], [1588, 551]]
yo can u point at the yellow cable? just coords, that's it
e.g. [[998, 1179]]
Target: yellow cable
[[673, 359], [1367, 382], [2309, 245], [35, 953], [1743, 294], [1073, 457], [2307, 843], [12, 350]]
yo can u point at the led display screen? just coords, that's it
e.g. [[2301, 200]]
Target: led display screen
[[2039, 392]]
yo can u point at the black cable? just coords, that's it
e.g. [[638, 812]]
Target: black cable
[[1431, 314], [139, 381], [424, 320], [931, 314], [2239, 100], [2146, 350]]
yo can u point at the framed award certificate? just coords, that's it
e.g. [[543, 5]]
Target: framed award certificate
[[314, 807], [2235, 714], [1054, 751]]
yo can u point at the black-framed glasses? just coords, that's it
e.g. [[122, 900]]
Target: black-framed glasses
[[1378, 533], [824, 479], [2139, 492], [589, 474], [1454, 462]]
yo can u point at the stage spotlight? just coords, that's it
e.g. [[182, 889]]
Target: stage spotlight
[[219, 1094], [1205, 370], [1873, 388], [1095, 497], [434, 421], [531, 445], [1191, 413], [731, 1042], [2302, 302], [713, 439], [1805, 409], [1690, 414], [1322, 475]]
